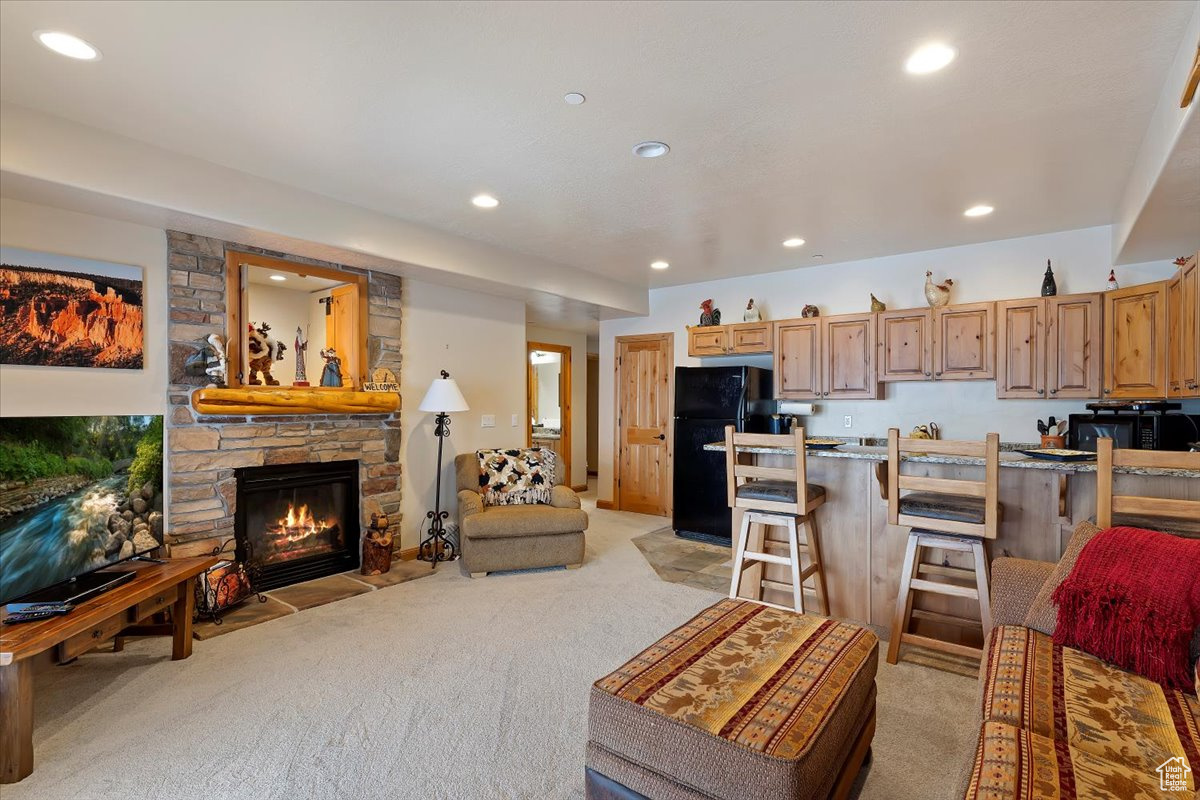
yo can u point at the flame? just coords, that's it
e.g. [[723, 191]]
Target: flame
[[299, 523]]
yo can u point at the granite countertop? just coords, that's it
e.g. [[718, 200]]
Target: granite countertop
[[1008, 458], [547, 436]]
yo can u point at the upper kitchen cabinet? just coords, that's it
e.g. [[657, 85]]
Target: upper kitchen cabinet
[[798, 359], [743, 338], [1135, 344], [905, 345], [1184, 366], [1048, 347], [826, 357], [1175, 368], [964, 342]]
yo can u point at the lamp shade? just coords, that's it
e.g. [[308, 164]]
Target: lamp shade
[[443, 395]]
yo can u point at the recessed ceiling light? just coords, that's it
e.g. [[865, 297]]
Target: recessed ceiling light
[[574, 99], [484, 201], [278, 278], [67, 45], [978, 211], [930, 58], [818, 255], [659, 265], [795, 241], [651, 149]]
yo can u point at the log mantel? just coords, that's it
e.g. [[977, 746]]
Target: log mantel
[[291, 400]]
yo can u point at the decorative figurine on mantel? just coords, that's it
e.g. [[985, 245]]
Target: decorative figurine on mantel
[[877, 305], [209, 360], [265, 350], [1112, 280], [810, 311], [751, 314], [332, 374], [937, 294], [301, 345], [708, 315], [1049, 285]]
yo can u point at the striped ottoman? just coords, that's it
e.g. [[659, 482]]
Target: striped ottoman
[[742, 701]]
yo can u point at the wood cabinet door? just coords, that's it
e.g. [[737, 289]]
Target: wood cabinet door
[[709, 340], [905, 344], [750, 337], [798, 359], [1190, 291], [1135, 347], [848, 357], [964, 342], [1175, 336], [1073, 346], [1021, 348]]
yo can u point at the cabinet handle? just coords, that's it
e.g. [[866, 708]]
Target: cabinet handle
[[1041, 391], [1108, 391], [938, 373], [1054, 391], [926, 374]]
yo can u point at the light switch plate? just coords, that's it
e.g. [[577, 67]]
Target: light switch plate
[[516, 420], [848, 421], [488, 421]]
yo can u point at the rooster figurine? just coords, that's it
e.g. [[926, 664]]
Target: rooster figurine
[[708, 314], [751, 314], [877, 305], [937, 294]]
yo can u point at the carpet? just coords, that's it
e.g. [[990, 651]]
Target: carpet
[[445, 687]]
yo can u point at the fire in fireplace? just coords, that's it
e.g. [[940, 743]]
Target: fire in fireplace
[[296, 522]]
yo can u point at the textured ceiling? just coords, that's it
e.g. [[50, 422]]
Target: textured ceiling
[[784, 119]]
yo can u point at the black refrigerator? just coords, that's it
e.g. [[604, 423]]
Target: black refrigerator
[[706, 400]]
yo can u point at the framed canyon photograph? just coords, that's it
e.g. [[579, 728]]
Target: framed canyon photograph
[[59, 311]]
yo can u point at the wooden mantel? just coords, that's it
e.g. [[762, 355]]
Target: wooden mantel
[[292, 400]]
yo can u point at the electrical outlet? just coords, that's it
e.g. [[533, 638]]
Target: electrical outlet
[[515, 420], [847, 421], [488, 421]]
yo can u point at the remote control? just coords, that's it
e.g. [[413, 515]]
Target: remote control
[[18, 617]]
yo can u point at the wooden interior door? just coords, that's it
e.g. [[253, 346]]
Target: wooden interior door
[[644, 382], [1135, 349], [964, 342], [798, 359], [341, 331], [905, 339], [1020, 349], [1073, 346], [848, 361]]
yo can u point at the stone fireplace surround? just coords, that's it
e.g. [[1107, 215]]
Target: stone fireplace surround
[[204, 450]]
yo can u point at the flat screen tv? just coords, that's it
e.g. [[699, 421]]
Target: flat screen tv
[[77, 494]]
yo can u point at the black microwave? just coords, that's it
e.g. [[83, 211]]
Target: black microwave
[[1135, 431]]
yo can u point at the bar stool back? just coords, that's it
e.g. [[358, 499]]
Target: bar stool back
[[946, 514], [763, 497]]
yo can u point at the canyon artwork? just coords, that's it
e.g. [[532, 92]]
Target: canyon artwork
[[52, 315]]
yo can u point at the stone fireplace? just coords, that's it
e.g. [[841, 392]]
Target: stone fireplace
[[210, 454]]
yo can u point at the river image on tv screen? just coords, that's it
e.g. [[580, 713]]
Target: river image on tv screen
[[76, 494]]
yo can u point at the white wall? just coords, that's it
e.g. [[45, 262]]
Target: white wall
[[578, 344], [997, 270], [63, 391], [480, 340]]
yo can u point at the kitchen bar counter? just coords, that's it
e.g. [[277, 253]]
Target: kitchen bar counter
[[1008, 458]]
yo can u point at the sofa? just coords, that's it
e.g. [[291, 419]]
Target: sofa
[[494, 538], [1056, 722]]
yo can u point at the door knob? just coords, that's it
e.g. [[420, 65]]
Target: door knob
[[662, 437]]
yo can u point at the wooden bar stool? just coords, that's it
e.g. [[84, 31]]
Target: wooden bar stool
[[775, 496], [946, 514]]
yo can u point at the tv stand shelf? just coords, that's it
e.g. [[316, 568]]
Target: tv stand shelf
[[117, 612]]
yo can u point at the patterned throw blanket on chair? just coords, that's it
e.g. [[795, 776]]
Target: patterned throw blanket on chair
[[1133, 599], [514, 477]]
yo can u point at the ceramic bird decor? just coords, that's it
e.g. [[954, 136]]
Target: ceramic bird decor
[[751, 314], [1112, 280], [708, 314], [810, 311], [877, 305], [937, 294]]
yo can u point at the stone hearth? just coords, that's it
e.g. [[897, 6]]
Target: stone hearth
[[204, 450]]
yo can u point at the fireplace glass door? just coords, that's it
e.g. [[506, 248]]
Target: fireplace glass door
[[298, 521]]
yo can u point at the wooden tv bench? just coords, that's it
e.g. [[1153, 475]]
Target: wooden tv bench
[[114, 613]]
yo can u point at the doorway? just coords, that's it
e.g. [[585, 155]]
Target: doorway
[[644, 386], [548, 402]]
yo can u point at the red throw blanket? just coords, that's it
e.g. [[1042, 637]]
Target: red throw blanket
[[1133, 599]]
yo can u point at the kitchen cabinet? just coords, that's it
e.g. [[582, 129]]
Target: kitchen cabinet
[[1048, 347], [1183, 319], [826, 357], [905, 345], [742, 338], [1135, 342], [1175, 336], [964, 342]]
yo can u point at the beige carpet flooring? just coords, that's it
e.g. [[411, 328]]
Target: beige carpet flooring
[[445, 687]]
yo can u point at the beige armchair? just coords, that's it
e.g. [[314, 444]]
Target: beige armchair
[[494, 538]]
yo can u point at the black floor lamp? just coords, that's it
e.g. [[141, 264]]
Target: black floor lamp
[[443, 398]]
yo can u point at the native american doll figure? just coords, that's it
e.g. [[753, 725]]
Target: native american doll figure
[[301, 345]]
